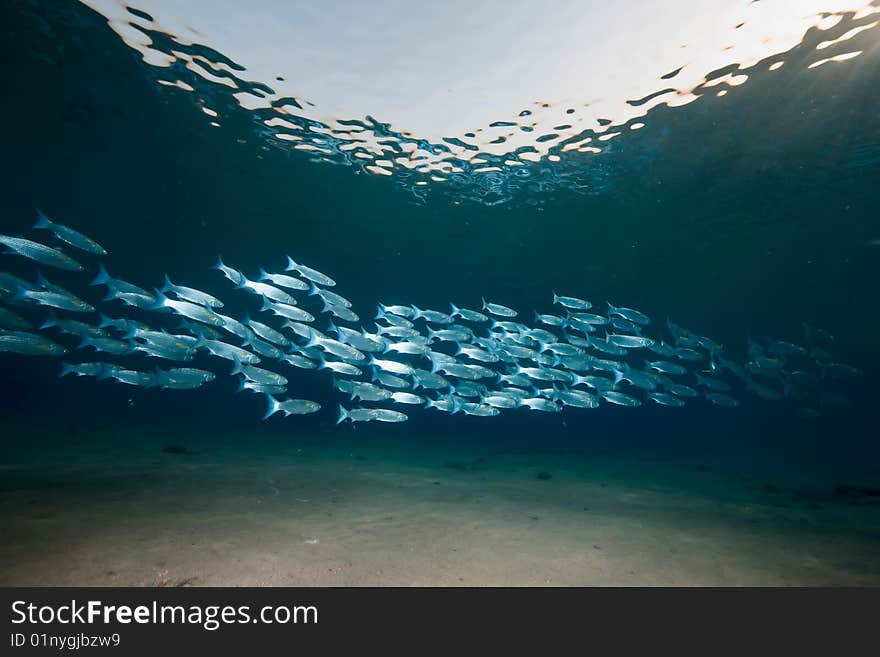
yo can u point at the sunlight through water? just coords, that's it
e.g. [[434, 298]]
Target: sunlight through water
[[487, 98]]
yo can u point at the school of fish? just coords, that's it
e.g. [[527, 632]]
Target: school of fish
[[475, 362]]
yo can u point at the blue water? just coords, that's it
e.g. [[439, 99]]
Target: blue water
[[742, 216]]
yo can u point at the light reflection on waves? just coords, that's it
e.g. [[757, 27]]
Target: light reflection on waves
[[544, 148]]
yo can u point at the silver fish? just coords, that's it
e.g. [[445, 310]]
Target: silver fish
[[104, 278], [227, 351], [619, 398], [267, 332], [282, 280], [261, 388], [341, 312], [258, 374], [572, 302], [392, 366], [630, 314], [129, 377], [107, 345], [62, 301], [300, 361], [41, 253], [340, 367], [389, 380], [368, 392], [191, 294], [666, 367], [400, 311], [262, 347], [311, 274], [69, 235], [498, 309], [187, 309], [183, 378], [232, 274], [290, 407], [665, 399], [29, 344], [266, 291], [287, 311], [82, 369], [468, 315], [331, 298], [540, 404], [407, 398]]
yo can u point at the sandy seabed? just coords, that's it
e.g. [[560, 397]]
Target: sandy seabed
[[112, 508]]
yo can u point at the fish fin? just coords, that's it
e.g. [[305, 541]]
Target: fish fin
[[219, 264], [102, 277], [42, 220], [272, 408], [263, 275], [66, 368], [104, 321], [160, 301], [236, 367], [343, 414], [51, 320], [168, 286], [291, 264], [266, 305], [20, 293]]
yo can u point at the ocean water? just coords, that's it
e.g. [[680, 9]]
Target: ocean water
[[173, 138]]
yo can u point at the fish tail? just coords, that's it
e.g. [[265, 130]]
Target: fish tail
[[51, 320], [236, 366], [161, 299], [168, 286], [102, 277], [20, 293], [42, 220], [343, 415], [66, 368], [219, 264], [291, 264], [272, 408]]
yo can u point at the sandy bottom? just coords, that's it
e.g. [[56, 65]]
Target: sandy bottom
[[114, 509]]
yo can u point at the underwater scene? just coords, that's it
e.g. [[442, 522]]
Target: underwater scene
[[464, 294]]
